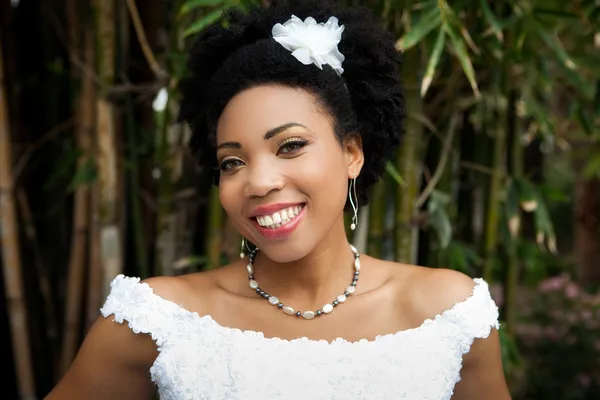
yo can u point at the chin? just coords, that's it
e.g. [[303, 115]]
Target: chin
[[286, 251]]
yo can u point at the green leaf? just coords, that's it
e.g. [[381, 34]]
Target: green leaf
[[84, 175], [544, 226], [592, 167], [460, 257], [537, 111], [203, 22], [427, 23], [463, 57], [584, 120], [528, 195], [191, 5], [434, 60], [441, 223], [588, 61], [492, 20], [540, 11], [555, 195], [394, 173], [441, 199], [438, 216], [556, 46]]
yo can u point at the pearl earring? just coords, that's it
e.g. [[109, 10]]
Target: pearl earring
[[245, 248], [242, 254], [353, 202]]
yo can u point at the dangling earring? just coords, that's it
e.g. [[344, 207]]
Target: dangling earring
[[354, 203], [242, 254], [245, 248]]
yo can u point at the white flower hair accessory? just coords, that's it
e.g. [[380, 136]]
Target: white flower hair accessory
[[311, 42]]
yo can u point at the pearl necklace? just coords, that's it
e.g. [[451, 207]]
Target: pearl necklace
[[327, 308]]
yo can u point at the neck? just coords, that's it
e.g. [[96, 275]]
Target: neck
[[317, 278]]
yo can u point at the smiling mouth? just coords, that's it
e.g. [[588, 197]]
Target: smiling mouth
[[279, 218]]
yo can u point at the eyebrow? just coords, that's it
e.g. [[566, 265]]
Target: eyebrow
[[271, 133]]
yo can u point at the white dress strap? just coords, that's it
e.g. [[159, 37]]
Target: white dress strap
[[135, 302], [477, 315]]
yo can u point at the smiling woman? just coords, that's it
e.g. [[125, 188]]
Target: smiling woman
[[296, 108]]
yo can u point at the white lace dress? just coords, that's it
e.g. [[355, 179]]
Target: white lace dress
[[200, 359]]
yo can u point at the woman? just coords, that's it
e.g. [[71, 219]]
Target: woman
[[297, 107]]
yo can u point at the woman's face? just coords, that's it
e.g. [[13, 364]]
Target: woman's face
[[284, 174]]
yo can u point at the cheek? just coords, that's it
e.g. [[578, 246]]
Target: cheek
[[324, 176], [227, 196]]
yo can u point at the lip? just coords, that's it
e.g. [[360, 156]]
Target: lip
[[271, 208], [283, 231]]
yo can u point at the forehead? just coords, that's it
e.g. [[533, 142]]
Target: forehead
[[261, 108]]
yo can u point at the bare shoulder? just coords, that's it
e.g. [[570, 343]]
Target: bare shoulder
[[172, 288], [195, 291], [445, 287], [435, 290]]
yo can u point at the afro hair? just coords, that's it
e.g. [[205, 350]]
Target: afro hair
[[239, 52]]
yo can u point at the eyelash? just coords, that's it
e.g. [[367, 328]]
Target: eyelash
[[284, 145], [292, 141]]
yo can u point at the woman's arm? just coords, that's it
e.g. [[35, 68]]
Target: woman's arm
[[112, 364], [482, 373]]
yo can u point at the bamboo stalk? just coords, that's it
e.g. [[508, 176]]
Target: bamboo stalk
[[513, 267], [9, 240], [108, 150], [408, 160], [83, 111], [94, 283], [493, 201], [94, 278], [377, 219]]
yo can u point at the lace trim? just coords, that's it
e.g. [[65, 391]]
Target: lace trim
[[169, 323], [128, 291]]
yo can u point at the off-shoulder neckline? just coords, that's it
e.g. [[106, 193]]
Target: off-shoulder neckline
[[479, 284]]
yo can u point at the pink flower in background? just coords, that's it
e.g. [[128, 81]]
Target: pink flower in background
[[584, 380], [572, 291], [586, 315], [553, 284]]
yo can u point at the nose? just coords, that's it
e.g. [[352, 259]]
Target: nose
[[263, 178]]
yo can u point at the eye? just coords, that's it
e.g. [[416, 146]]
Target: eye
[[291, 145], [230, 164]]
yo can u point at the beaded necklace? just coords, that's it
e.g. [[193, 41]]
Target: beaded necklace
[[326, 309]]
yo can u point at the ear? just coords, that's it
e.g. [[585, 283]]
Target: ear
[[355, 157]]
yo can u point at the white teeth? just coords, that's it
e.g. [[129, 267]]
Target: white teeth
[[278, 218]]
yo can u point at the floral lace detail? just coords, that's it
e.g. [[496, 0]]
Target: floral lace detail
[[200, 359]]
